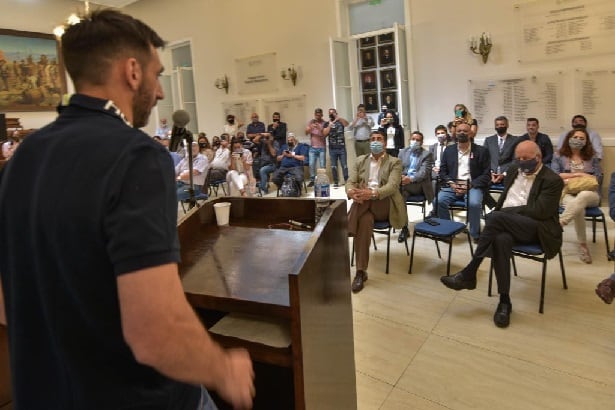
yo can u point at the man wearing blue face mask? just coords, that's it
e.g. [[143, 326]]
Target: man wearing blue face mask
[[416, 173], [526, 213], [373, 187]]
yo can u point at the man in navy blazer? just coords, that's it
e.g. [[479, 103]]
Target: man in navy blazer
[[461, 161], [501, 147]]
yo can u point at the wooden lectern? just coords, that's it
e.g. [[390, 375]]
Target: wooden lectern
[[295, 281]]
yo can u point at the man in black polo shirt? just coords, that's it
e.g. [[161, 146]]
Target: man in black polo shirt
[[94, 307]]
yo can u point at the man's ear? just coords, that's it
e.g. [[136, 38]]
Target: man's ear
[[133, 73]]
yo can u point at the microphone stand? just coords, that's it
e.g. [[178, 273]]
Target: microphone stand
[[191, 197]]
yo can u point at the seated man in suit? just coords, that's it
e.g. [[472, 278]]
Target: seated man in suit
[[460, 161], [374, 189], [291, 157], [501, 147], [526, 213], [417, 163]]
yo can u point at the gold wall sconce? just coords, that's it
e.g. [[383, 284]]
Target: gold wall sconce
[[290, 74], [481, 45], [222, 83]]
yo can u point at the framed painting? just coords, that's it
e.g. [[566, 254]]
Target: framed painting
[[387, 79], [368, 58], [371, 102], [386, 55], [390, 100], [32, 76], [368, 80], [368, 41]]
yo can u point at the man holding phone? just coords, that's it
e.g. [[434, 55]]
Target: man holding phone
[[334, 129], [291, 157]]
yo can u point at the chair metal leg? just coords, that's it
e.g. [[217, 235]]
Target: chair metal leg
[[514, 265], [412, 253], [374, 241], [388, 250], [606, 237], [561, 265], [438, 249], [352, 254], [450, 252], [542, 286]]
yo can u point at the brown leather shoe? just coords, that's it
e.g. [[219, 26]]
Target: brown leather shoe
[[359, 281]]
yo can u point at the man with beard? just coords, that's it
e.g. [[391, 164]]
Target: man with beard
[[277, 129], [580, 122], [93, 303]]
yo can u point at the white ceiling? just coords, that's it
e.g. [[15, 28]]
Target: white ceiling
[[112, 3]]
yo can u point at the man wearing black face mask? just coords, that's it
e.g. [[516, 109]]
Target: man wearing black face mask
[[463, 161], [526, 213], [579, 121], [277, 129], [501, 147]]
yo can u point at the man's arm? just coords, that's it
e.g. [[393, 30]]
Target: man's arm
[[163, 332]]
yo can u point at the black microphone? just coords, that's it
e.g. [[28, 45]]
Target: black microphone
[[179, 132]]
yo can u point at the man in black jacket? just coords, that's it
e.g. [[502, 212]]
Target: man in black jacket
[[526, 213], [462, 161]]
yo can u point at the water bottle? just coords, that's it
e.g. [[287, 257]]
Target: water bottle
[[322, 192]]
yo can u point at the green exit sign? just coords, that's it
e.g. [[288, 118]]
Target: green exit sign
[[374, 2]]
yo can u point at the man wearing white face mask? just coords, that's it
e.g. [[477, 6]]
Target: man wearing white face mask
[[416, 173], [374, 189]]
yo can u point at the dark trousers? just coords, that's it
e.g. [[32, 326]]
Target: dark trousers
[[502, 231], [361, 219]]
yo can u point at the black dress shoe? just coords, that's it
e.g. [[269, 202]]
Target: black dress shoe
[[403, 235], [311, 184], [611, 255], [458, 282], [501, 318], [359, 281]]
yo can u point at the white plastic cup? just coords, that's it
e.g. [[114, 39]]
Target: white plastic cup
[[223, 212]]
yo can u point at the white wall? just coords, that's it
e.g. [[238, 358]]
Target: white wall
[[298, 31]]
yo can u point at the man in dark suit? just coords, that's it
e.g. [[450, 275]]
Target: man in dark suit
[[416, 173], [501, 147], [526, 213], [462, 161]]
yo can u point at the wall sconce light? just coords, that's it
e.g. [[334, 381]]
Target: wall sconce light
[[481, 46], [290, 74], [222, 83]]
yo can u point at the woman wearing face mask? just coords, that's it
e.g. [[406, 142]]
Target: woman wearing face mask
[[389, 126], [577, 158], [205, 147], [462, 115], [239, 176]]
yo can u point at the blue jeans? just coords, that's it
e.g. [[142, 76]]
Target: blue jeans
[[320, 153], [264, 176], [182, 191], [334, 155], [448, 196], [206, 403]]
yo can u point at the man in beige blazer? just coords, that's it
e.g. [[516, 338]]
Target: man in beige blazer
[[374, 189]]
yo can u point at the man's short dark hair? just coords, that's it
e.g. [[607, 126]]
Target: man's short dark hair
[[276, 113], [579, 116], [90, 46], [501, 118], [533, 119], [440, 127], [378, 132]]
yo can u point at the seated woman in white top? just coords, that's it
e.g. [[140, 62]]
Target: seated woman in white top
[[239, 176], [577, 158]]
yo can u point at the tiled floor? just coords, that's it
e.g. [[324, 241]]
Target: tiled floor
[[419, 345]]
